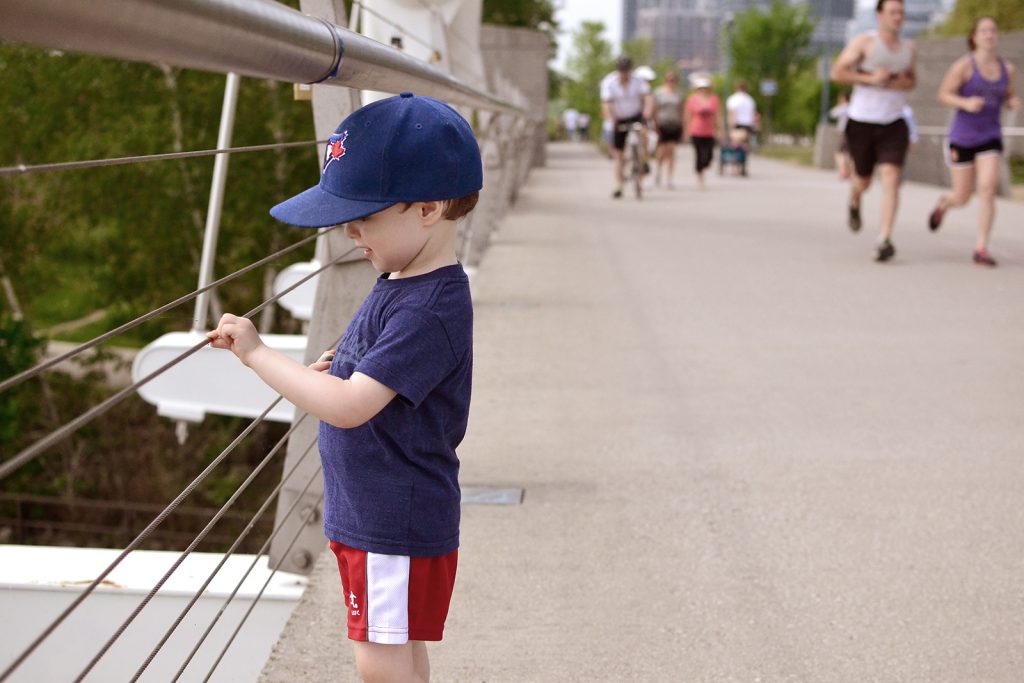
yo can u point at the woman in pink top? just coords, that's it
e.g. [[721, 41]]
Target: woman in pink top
[[702, 123]]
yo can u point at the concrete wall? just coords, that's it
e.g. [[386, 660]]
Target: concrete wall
[[520, 57], [926, 161]]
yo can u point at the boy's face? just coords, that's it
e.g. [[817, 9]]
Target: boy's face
[[391, 239]]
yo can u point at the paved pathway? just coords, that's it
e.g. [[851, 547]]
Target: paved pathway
[[749, 452]]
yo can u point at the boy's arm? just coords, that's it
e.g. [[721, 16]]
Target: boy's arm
[[344, 403]]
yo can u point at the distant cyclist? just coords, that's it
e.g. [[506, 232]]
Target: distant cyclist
[[625, 100]]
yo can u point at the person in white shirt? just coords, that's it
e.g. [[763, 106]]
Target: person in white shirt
[[583, 126], [570, 122], [742, 110], [625, 100]]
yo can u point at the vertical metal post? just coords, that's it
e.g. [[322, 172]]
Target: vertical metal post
[[339, 291], [213, 210], [826, 50]]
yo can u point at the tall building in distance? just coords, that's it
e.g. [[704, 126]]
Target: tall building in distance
[[685, 31], [690, 31], [832, 18]]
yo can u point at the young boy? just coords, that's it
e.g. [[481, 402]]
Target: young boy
[[393, 399]]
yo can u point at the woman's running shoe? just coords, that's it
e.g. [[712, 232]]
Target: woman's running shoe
[[935, 218], [983, 258]]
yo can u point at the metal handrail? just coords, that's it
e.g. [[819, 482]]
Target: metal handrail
[[258, 38]]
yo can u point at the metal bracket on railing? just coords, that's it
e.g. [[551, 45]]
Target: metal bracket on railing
[[339, 50]]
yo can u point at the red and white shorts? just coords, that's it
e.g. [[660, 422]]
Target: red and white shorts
[[393, 599]]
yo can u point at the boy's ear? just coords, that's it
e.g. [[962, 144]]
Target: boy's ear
[[431, 212]]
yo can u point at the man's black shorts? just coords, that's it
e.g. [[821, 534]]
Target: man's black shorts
[[622, 129], [876, 143]]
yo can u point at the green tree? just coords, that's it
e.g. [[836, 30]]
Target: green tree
[[1009, 14], [127, 239], [591, 60], [639, 50], [535, 14], [19, 350], [774, 46]]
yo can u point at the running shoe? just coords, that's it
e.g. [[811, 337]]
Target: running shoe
[[935, 218], [983, 258], [885, 251], [854, 218], [617, 194]]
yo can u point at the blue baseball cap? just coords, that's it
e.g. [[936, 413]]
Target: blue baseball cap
[[400, 149]]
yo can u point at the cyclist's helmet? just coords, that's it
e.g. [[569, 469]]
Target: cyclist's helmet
[[623, 63]]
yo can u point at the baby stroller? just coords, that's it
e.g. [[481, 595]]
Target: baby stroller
[[734, 153]]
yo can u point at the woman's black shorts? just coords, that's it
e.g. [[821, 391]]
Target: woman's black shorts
[[964, 156], [669, 132]]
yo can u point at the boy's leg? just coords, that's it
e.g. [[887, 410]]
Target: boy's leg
[[420, 660], [378, 663]]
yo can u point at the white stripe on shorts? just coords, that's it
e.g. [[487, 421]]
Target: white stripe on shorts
[[387, 599]]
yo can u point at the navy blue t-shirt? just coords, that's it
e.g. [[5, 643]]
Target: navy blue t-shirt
[[391, 485]]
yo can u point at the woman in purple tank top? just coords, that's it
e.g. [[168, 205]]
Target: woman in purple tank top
[[977, 86]]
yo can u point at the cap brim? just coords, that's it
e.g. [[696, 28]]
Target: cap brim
[[316, 208]]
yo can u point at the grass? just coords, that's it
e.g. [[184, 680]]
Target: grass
[[1017, 170], [800, 155]]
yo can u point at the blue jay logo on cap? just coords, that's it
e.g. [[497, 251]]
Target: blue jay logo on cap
[[335, 148]]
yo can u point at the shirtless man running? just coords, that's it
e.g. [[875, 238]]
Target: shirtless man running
[[880, 67]]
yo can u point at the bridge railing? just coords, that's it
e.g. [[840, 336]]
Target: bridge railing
[[260, 39]]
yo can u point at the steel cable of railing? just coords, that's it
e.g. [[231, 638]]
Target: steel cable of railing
[[47, 364], [245, 617], [228, 553], [397, 27], [252, 565], [137, 541], [448, 29], [22, 169], [62, 433], [188, 551]]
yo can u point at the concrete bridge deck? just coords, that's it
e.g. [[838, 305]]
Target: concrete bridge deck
[[749, 452]]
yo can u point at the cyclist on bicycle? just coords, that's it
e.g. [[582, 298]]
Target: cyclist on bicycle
[[625, 99]]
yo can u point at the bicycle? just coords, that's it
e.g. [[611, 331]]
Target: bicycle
[[634, 162]]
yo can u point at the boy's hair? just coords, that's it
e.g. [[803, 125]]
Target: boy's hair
[[881, 3], [454, 209]]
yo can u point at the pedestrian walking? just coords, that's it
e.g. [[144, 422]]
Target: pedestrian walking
[[668, 122], [840, 113], [570, 123], [978, 86], [880, 65], [741, 111], [701, 125], [583, 126]]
